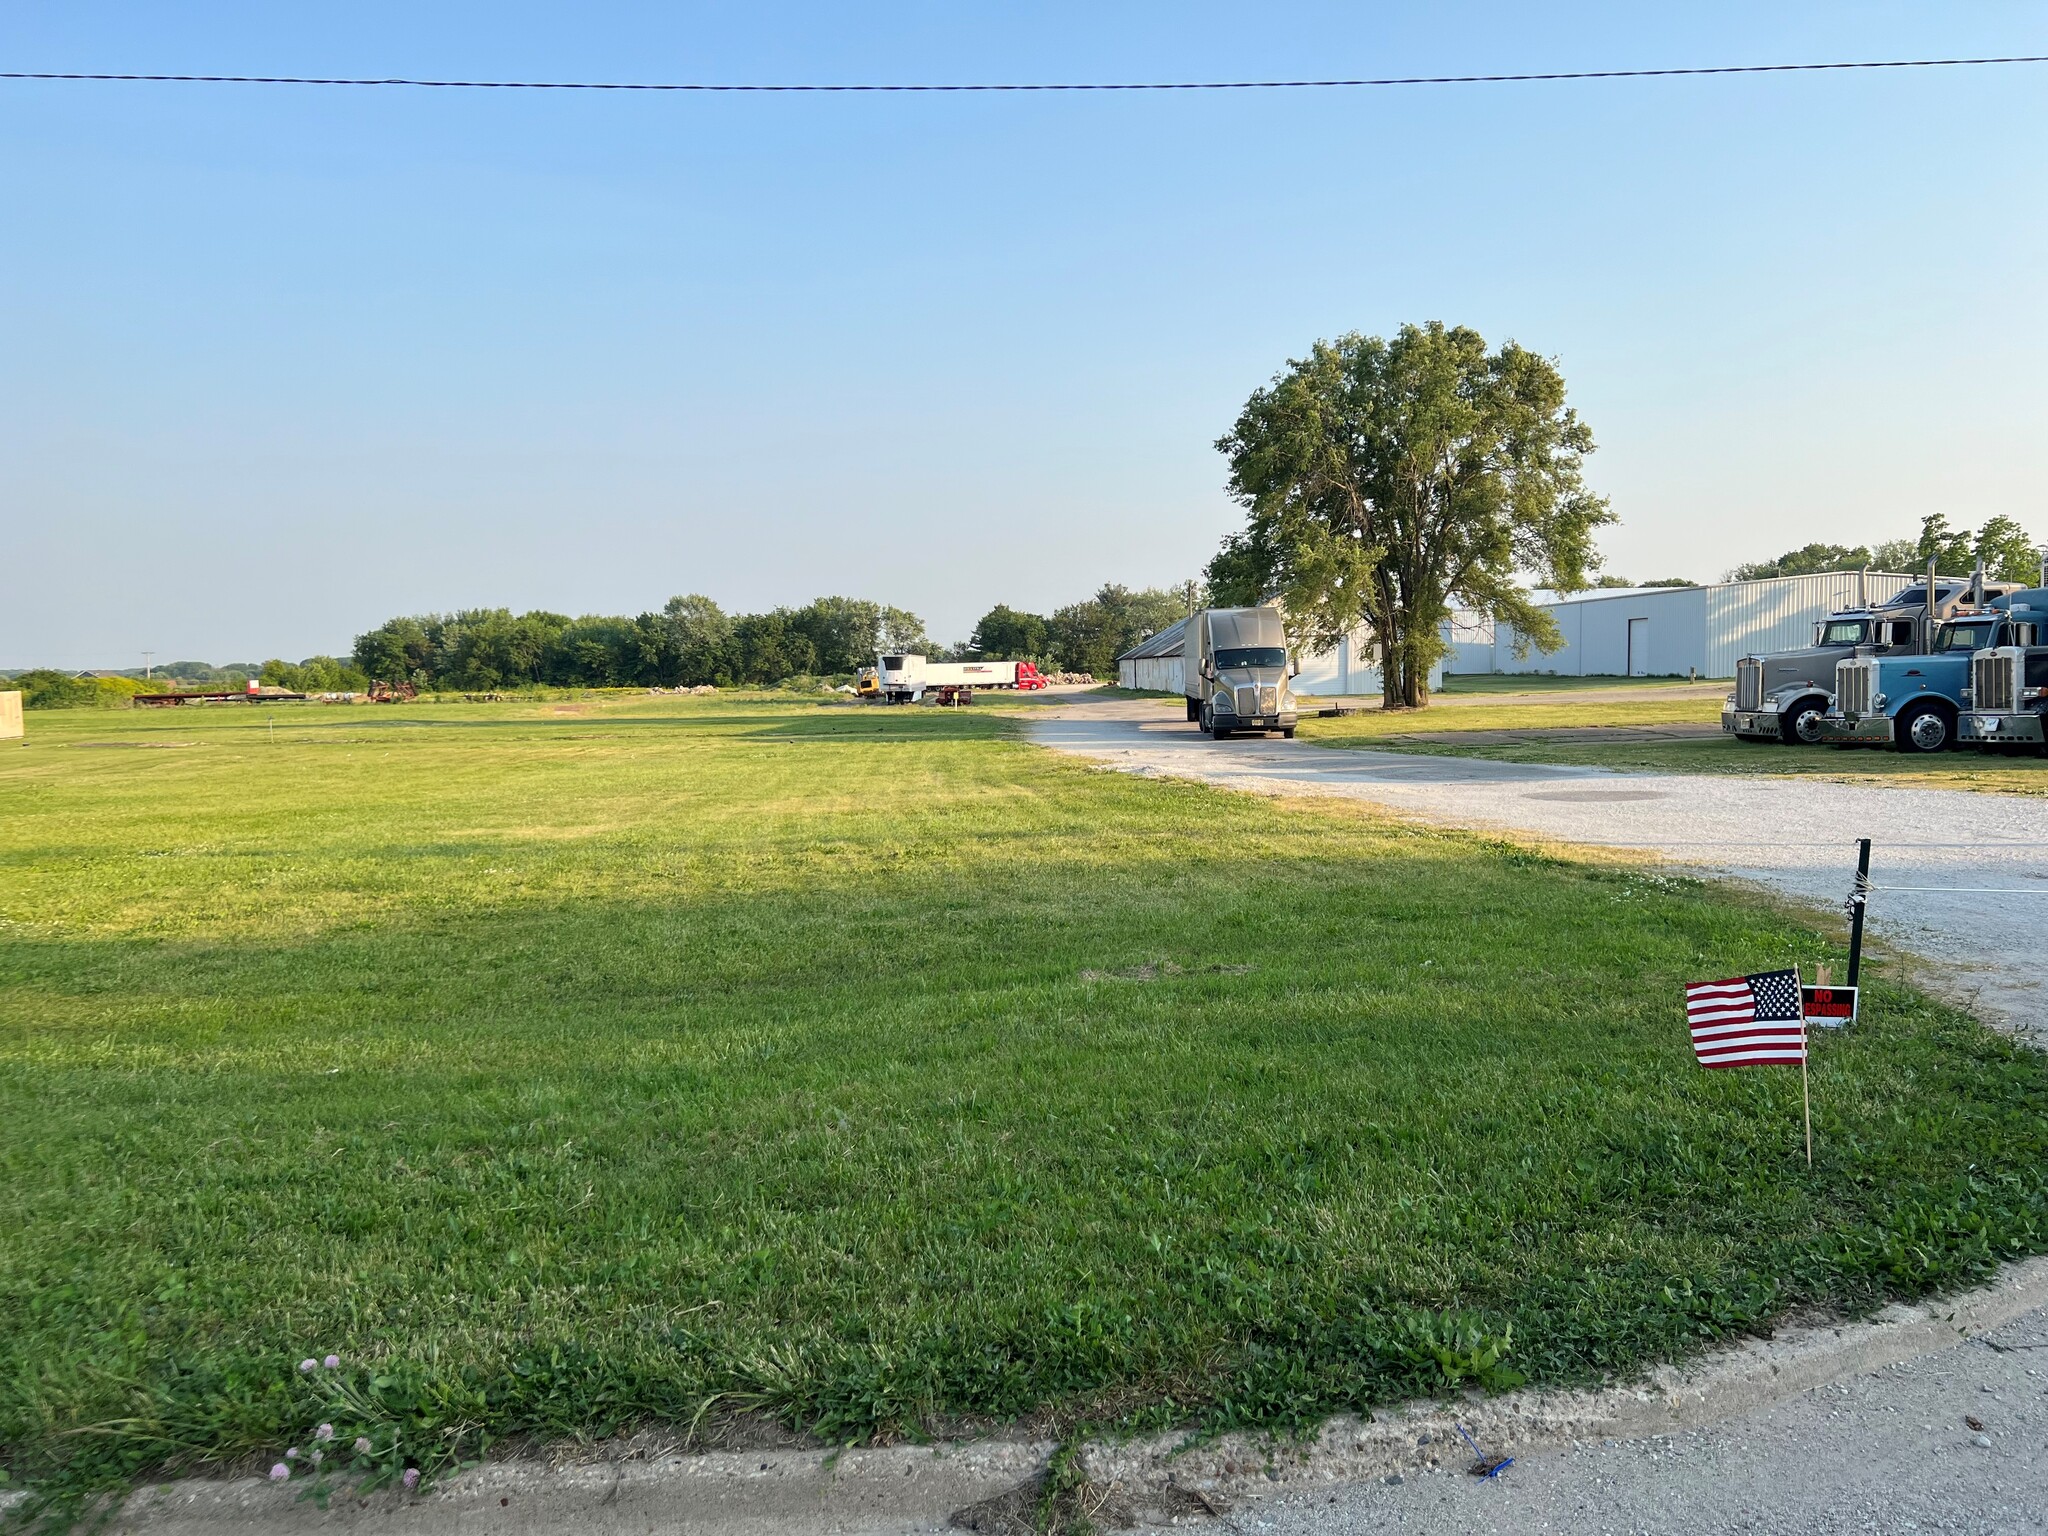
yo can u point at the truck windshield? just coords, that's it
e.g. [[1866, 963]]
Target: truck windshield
[[1253, 656], [1973, 636], [1842, 633]]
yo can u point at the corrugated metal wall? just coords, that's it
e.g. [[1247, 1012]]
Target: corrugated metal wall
[[1348, 669], [1341, 670], [1750, 616], [1680, 629], [1159, 673]]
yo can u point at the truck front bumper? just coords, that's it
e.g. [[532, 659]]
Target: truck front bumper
[[2002, 729], [1280, 722], [1760, 723], [1871, 730]]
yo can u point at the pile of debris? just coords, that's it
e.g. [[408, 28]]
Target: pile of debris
[[1070, 677]]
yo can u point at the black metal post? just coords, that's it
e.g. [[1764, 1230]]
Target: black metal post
[[1857, 899]]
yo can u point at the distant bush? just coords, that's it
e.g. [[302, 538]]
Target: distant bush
[[47, 688], [316, 674]]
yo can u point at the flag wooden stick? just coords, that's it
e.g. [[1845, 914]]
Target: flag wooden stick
[[1805, 1048], [1807, 1099]]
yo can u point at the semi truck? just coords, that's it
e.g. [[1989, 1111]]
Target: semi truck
[[1782, 696], [1916, 703], [1236, 671], [2009, 683], [905, 678]]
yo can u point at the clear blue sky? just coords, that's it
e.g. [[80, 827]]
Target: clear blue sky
[[278, 363]]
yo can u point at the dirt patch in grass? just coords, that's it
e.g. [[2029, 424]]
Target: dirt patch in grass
[[1559, 735]]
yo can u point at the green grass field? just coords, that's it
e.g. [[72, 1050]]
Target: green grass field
[[867, 1073], [1414, 730]]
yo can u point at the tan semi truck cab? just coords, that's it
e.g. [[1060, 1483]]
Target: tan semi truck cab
[[1236, 671]]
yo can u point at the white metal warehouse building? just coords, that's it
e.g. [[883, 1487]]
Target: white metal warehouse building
[[1672, 631], [1346, 668], [1608, 632]]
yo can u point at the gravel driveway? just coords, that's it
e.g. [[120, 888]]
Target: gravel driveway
[[1795, 835]]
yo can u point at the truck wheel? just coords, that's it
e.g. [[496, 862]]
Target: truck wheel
[[1194, 711], [1287, 733], [1923, 727], [1799, 726]]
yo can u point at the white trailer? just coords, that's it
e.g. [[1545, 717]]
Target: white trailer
[[906, 679]]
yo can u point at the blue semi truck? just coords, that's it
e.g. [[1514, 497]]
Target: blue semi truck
[[1925, 703], [1781, 696]]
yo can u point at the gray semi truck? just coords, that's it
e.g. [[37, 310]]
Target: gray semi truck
[[1237, 673], [1782, 696]]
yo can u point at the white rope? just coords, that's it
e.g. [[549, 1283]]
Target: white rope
[[1966, 890], [1743, 843]]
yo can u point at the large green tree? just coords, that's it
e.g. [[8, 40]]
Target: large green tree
[[1088, 636], [1007, 634], [699, 638], [1951, 549], [2008, 551], [1391, 481], [1807, 560], [400, 649]]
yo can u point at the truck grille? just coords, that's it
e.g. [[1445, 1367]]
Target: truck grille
[[1994, 679], [1855, 681], [1247, 699], [1749, 683]]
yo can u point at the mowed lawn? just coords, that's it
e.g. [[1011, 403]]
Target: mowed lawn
[[1437, 729], [566, 1068]]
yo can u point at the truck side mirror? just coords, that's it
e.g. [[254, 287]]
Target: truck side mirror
[[1293, 667]]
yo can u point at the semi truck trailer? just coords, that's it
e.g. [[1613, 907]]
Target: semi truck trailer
[[1237, 673], [907, 678]]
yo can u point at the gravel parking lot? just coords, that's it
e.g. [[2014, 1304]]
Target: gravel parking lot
[[1985, 856]]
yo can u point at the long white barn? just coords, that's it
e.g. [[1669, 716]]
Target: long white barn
[[1608, 632], [1346, 668], [1671, 631]]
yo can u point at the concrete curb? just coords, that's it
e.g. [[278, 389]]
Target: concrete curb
[[1723, 1385], [902, 1489]]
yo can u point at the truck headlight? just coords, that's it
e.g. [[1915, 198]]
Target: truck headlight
[[1223, 704], [1878, 701], [1287, 698]]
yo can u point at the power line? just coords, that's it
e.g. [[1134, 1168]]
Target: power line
[[1024, 86]]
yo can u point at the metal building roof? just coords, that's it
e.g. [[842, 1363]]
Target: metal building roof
[[1165, 643], [1544, 597]]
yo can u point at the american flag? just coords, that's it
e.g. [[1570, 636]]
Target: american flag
[[1748, 1021]]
